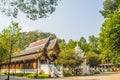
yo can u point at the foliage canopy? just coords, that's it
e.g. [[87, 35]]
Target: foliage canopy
[[33, 9]]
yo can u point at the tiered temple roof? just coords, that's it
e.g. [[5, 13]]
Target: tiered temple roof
[[36, 49]]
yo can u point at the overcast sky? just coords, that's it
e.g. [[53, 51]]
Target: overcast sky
[[71, 20]]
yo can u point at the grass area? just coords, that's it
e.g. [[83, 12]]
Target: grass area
[[39, 76], [27, 75], [2, 73], [30, 75]]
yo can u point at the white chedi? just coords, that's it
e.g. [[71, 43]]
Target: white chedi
[[79, 51], [84, 67]]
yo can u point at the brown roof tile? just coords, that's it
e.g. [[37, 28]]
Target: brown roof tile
[[51, 44], [35, 48], [26, 57], [39, 42]]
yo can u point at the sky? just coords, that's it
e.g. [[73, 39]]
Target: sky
[[71, 20]]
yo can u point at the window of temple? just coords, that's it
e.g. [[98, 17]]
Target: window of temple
[[28, 65], [12, 65], [6, 66], [3, 66], [25, 65], [31, 65], [34, 65], [16, 65], [19, 65], [0, 66]]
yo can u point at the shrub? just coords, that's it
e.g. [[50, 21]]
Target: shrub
[[30, 75], [66, 74], [97, 72], [39, 76]]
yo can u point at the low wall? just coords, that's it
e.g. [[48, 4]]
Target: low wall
[[19, 70]]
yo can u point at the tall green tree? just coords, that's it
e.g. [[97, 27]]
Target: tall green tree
[[109, 7], [109, 37], [62, 44], [10, 37], [71, 44], [83, 44], [3, 52], [93, 44]]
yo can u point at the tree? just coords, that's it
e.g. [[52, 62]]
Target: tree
[[82, 40], [93, 44], [71, 44], [110, 6], [109, 37], [33, 9], [83, 44], [69, 58], [3, 52], [93, 59], [32, 36], [62, 44], [8, 36]]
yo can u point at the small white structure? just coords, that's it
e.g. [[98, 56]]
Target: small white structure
[[55, 72], [83, 66], [52, 70]]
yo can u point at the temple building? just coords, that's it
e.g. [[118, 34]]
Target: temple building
[[37, 57]]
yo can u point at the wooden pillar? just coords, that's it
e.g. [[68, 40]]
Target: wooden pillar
[[15, 67], [0, 66], [37, 66], [24, 66]]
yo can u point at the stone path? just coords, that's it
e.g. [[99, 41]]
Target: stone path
[[102, 76]]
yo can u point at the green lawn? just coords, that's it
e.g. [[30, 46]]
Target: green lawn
[[28, 75]]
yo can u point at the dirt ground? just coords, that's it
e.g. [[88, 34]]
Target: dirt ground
[[102, 76]]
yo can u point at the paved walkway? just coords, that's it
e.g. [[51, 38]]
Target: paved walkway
[[102, 76]]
